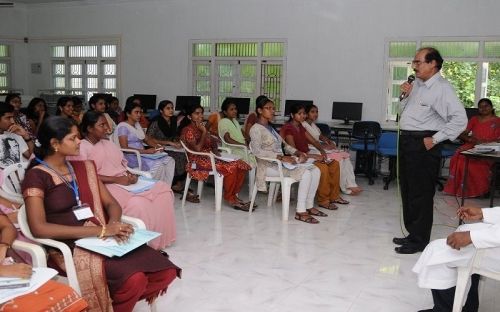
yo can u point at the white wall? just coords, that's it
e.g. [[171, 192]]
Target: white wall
[[335, 47]]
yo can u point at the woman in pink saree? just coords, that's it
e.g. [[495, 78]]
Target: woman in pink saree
[[153, 206]]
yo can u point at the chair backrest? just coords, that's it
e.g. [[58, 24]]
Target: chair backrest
[[388, 140], [13, 177], [367, 130], [325, 129]]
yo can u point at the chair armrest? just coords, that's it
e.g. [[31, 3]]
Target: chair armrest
[[137, 155], [37, 253], [277, 161], [139, 172], [135, 222], [224, 149]]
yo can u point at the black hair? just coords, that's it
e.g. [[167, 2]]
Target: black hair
[[94, 99], [164, 103], [5, 108], [295, 108], [432, 54], [30, 110], [260, 101], [9, 97], [189, 110], [487, 101], [61, 102], [131, 99], [130, 106], [114, 98], [225, 105], [309, 106], [89, 119], [54, 127]]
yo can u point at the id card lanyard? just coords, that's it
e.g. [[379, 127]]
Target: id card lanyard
[[73, 185]]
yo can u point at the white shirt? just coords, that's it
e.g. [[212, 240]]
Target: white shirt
[[434, 106]]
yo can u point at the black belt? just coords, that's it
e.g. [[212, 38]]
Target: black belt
[[421, 134]]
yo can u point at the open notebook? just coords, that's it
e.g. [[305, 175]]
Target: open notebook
[[110, 247], [38, 278], [142, 184]]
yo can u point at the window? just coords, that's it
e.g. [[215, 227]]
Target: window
[[85, 69], [472, 67], [237, 69], [4, 69]]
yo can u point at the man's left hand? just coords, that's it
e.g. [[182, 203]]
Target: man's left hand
[[458, 240], [428, 143]]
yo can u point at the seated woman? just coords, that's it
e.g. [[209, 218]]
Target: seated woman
[[266, 142], [36, 113], [65, 108], [143, 121], [196, 137], [163, 130], [51, 296], [129, 134], [78, 111], [114, 109], [296, 136], [20, 118], [251, 119], [53, 188], [97, 103], [347, 178], [483, 128], [230, 130], [154, 206], [213, 123]]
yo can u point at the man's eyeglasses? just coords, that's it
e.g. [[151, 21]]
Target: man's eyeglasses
[[417, 62]]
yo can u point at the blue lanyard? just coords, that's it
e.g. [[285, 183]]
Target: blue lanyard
[[73, 186]]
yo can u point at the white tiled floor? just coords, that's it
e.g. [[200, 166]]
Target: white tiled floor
[[233, 261]]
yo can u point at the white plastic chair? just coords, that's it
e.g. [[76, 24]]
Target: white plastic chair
[[62, 247], [114, 138], [11, 186], [246, 158], [37, 253], [275, 182], [464, 273], [218, 179]]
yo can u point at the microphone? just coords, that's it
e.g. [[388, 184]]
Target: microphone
[[411, 78]]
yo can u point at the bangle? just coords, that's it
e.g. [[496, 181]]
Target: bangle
[[5, 244], [103, 231]]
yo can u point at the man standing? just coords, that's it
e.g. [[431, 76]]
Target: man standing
[[431, 114], [15, 143]]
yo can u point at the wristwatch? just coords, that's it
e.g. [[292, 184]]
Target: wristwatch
[[434, 141]]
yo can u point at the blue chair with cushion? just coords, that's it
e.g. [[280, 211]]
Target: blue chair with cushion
[[447, 151], [366, 134], [388, 147]]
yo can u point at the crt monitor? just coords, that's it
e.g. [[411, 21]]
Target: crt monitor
[[471, 112], [183, 101], [347, 111], [148, 101], [242, 104], [290, 103]]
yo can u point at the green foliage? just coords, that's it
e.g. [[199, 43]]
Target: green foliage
[[462, 75], [493, 89]]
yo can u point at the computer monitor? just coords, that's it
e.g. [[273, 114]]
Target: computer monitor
[[148, 101], [290, 103], [347, 111], [183, 101], [471, 112], [242, 104]]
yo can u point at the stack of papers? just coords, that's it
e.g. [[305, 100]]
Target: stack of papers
[[174, 149], [39, 277], [142, 184], [155, 155], [227, 157], [13, 282], [110, 247]]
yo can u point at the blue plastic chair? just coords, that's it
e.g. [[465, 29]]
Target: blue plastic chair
[[367, 134], [387, 147], [447, 151]]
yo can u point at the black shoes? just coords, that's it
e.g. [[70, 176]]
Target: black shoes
[[401, 240], [408, 249], [428, 310]]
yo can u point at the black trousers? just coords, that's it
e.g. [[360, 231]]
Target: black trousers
[[418, 173], [443, 298]]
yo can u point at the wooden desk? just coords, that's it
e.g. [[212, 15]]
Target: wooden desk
[[494, 157]]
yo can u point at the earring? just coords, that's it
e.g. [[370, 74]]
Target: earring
[[56, 149]]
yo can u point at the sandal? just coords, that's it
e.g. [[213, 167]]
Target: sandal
[[331, 206], [241, 206], [305, 218], [316, 212], [246, 203], [190, 197], [341, 201]]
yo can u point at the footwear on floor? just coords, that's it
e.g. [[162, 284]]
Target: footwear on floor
[[316, 212], [305, 218], [408, 249], [401, 240]]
